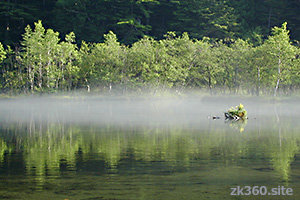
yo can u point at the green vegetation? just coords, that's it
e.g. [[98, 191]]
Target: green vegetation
[[237, 113], [132, 19], [2, 53], [141, 45], [47, 64]]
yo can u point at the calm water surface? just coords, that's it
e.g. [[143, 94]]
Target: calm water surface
[[146, 149]]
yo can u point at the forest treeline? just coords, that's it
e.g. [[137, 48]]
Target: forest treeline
[[44, 63], [130, 20]]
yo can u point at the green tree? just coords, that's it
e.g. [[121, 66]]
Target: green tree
[[280, 54], [86, 66], [240, 55], [295, 71], [66, 57], [130, 19], [49, 63], [201, 18], [258, 16], [143, 62], [2, 53], [176, 59], [292, 17], [105, 63], [205, 71], [16, 14]]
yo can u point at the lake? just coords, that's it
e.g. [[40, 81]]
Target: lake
[[147, 148]]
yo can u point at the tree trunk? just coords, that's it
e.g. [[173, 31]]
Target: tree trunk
[[62, 78], [209, 80], [278, 79], [235, 80], [87, 85], [40, 77], [48, 71], [276, 88], [31, 78], [258, 82]]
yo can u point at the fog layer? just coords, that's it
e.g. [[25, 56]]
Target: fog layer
[[193, 111]]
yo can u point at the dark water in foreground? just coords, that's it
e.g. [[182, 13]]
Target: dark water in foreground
[[153, 149]]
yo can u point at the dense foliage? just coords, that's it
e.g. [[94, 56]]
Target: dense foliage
[[130, 20], [44, 63], [210, 44]]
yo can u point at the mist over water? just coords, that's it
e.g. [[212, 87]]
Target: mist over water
[[193, 111], [138, 147]]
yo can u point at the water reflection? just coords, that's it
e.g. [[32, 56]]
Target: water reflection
[[237, 124], [49, 149], [51, 154]]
